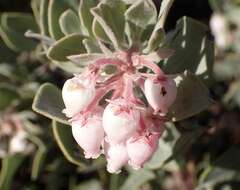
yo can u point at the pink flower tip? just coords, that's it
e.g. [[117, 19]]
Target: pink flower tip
[[160, 93]]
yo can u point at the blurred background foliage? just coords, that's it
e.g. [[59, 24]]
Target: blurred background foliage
[[200, 152]]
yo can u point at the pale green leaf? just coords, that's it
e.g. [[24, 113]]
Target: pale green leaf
[[194, 51], [85, 15], [91, 46], [63, 136], [55, 9], [10, 165], [142, 13], [157, 35], [69, 45], [111, 17], [43, 17], [12, 29], [85, 59], [192, 97], [39, 157], [136, 179], [48, 102], [69, 22], [90, 185]]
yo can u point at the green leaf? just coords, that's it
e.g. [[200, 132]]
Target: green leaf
[[85, 59], [155, 40], [10, 165], [69, 45], [99, 32], [194, 51], [142, 13], [90, 184], [35, 5], [55, 9], [158, 34], [229, 159], [110, 16], [85, 15], [39, 157], [192, 97], [136, 179], [9, 55], [91, 46], [63, 135], [7, 96], [48, 102], [172, 145], [43, 17], [134, 34], [70, 23], [69, 67], [165, 148], [12, 29]]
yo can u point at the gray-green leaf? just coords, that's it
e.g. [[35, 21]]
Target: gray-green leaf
[[192, 97], [65, 140], [142, 13], [66, 46], [48, 102], [136, 179], [69, 22], [12, 29], [194, 51], [111, 17]]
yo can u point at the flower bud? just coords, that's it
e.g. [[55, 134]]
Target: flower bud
[[120, 120], [141, 149], [117, 157], [160, 93], [89, 135], [77, 94]]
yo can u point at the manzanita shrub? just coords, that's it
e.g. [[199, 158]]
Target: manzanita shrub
[[130, 77], [123, 94]]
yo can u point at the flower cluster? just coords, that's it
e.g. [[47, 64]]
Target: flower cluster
[[108, 116]]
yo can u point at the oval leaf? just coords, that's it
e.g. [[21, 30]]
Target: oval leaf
[[192, 97], [48, 102], [65, 140], [69, 45], [12, 29], [69, 22]]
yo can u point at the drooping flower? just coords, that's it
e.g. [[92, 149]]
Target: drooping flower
[[140, 149], [160, 93], [89, 135], [120, 120], [77, 93], [117, 157]]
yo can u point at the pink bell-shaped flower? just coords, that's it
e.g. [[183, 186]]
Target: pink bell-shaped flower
[[141, 149], [117, 157], [160, 93], [77, 94], [120, 120], [89, 134]]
